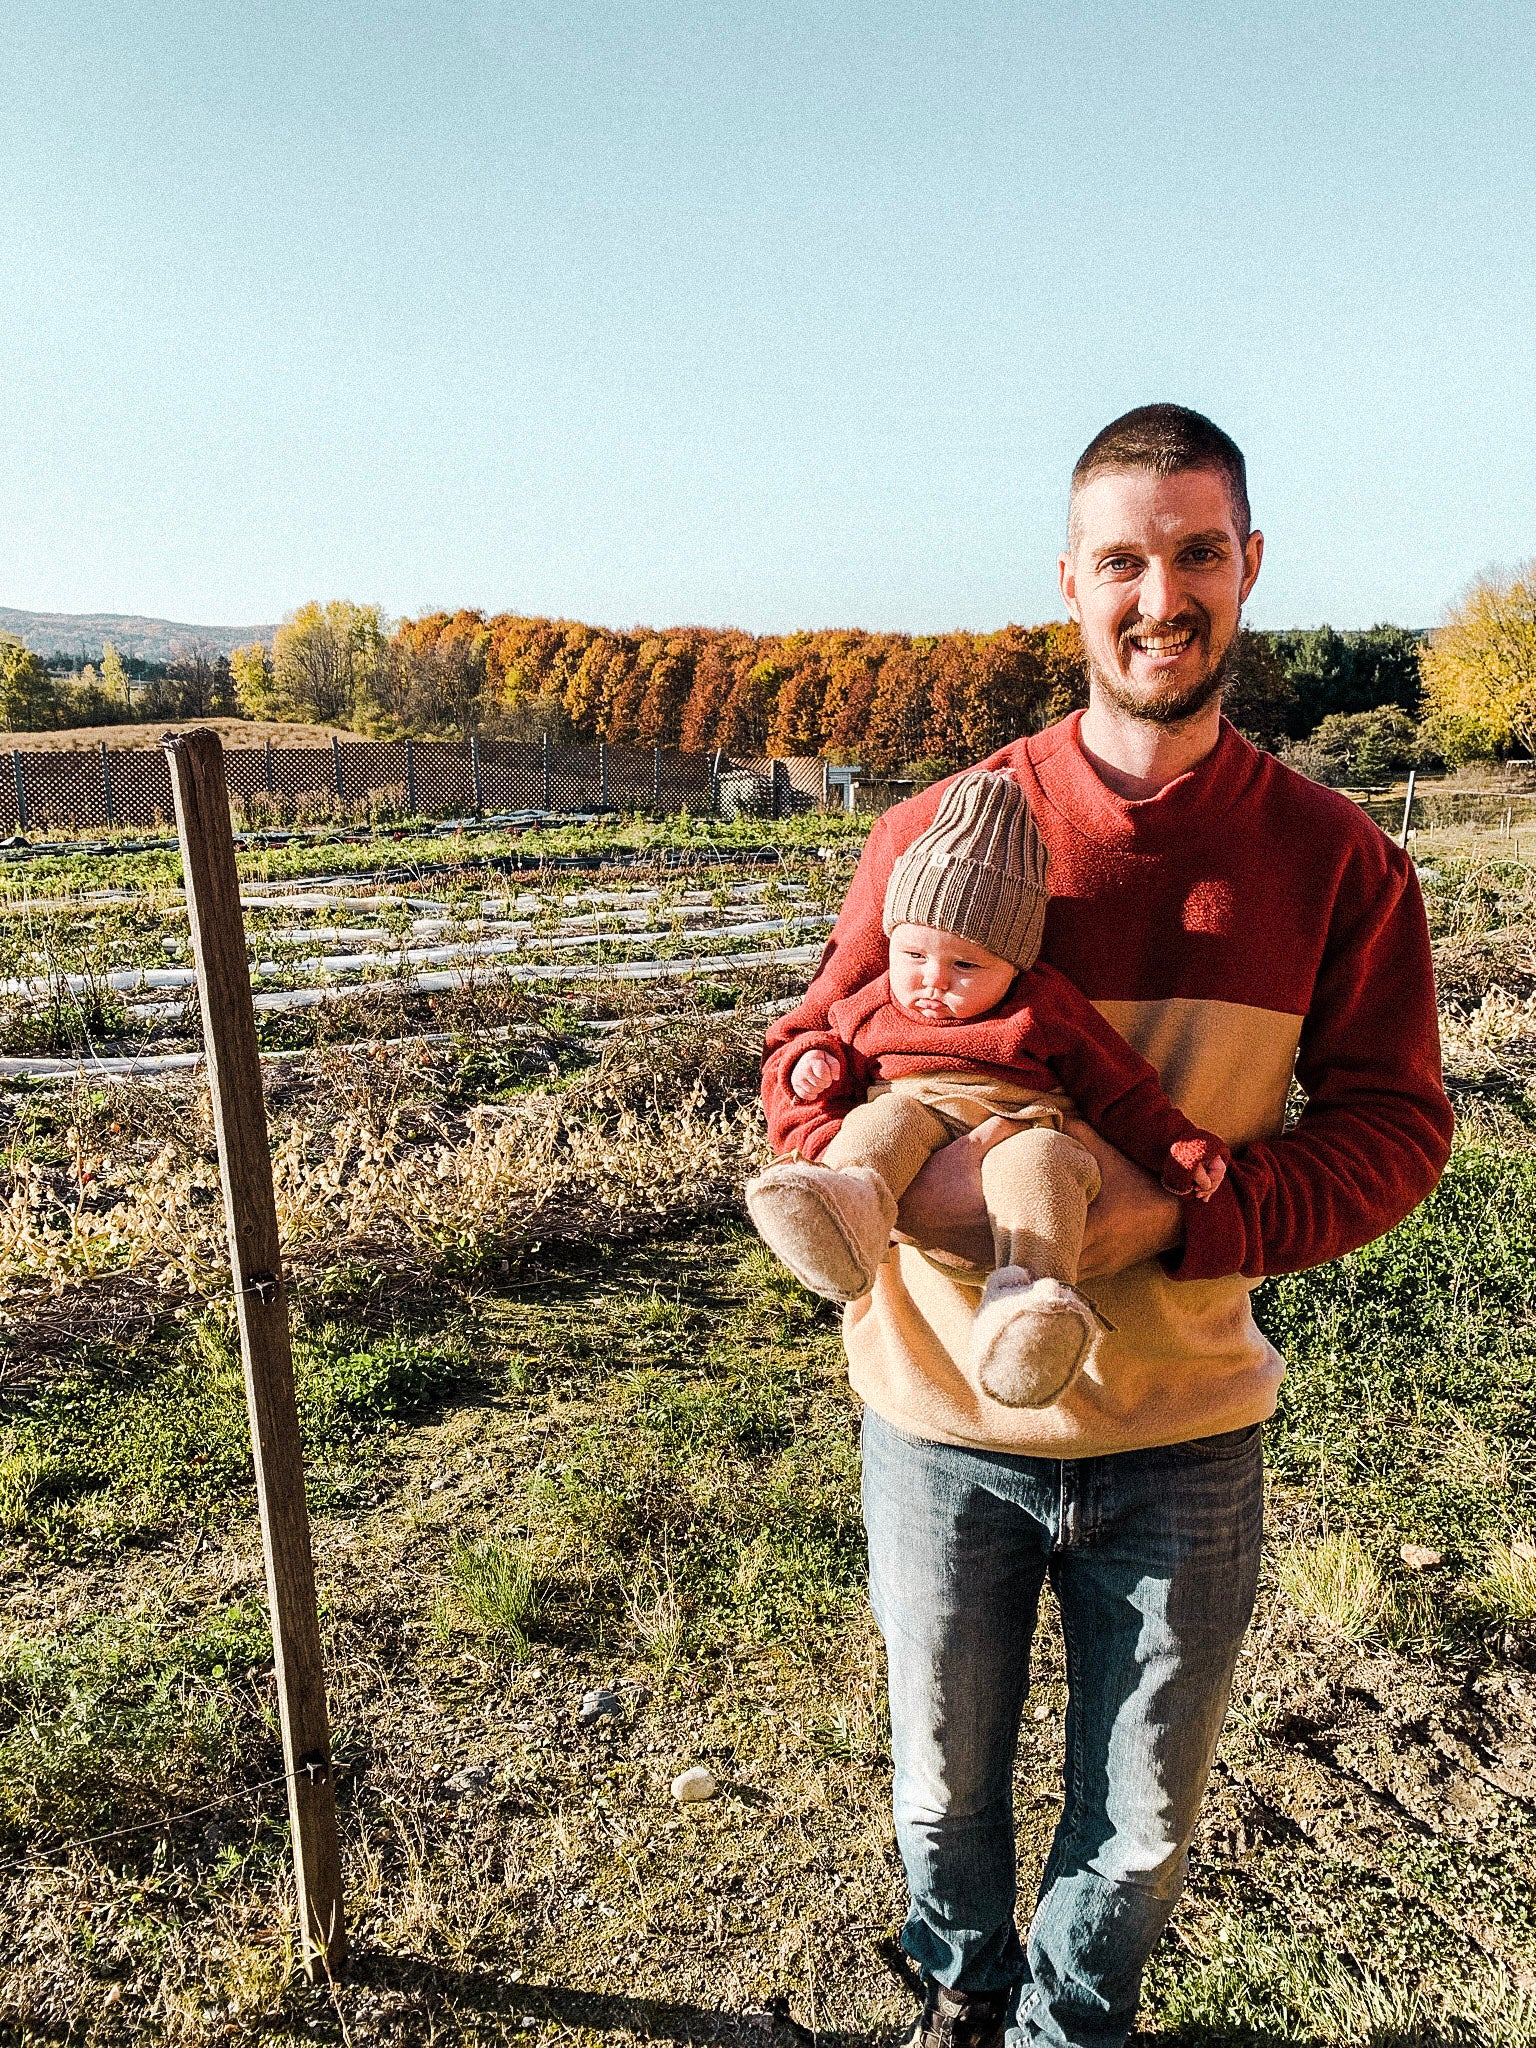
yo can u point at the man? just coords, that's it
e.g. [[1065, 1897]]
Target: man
[[1237, 924]]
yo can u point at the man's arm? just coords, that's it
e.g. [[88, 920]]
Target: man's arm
[[1133, 1217], [1376, 1131]]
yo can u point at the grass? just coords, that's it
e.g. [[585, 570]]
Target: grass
[[608, 1443], [1334, 1582], [640, 1470], [496, 1587], [1509, 1578]]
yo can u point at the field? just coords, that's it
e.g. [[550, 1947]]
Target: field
[[569, 1429], [237, 732]]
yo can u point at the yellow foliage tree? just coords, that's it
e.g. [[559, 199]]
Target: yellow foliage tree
[[255, 691], [327, 662], [1480, 665]]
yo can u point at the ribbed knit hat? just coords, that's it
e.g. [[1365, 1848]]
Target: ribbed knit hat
[[978, 871]]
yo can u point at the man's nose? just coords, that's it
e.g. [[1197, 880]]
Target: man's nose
[[1158, 596]]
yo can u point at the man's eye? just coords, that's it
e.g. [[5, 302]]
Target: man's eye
[[1116, 565], [1203, 555]]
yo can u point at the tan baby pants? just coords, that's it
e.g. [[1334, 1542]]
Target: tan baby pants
[[1037, 1184]]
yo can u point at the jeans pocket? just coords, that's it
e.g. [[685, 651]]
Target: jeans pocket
[[1231, 1443]]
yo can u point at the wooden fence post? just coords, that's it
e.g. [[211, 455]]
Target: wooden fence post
[[410, 776], [474, 769], [271, 780], [106, 784], [21, 790], [196, 761], [546, 772], [602, 774], [336, 762]]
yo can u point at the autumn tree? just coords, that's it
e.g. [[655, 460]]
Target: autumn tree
[[897, 718], [852, 674], [250, 670], [714, 682], [328, 663], [797, 711], [669, 681], [1480, 665], [26, 690], [435, 675], [113, 681]]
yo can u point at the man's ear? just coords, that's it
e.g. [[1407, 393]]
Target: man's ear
[[1066, 575], [1253, 556]]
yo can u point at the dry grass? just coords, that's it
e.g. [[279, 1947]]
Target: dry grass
[[664, 1125], [1509, 1578], [234, 732], [1336, 1584]]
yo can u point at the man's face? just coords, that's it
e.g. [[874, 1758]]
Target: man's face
[[1156, 573]]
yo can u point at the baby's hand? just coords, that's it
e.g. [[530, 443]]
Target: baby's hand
[[813, 1074], [1208, 1179]]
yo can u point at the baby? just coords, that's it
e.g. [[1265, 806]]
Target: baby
[[967, 1024]]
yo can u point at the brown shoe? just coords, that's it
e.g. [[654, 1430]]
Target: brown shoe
[[959, 2019]]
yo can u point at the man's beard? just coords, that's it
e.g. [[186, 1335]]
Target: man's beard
[[1175, 707]]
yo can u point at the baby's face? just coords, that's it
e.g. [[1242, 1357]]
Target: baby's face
[[942, 979]]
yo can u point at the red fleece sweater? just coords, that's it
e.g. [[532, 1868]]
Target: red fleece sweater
[[1241, 917], [1045, 1033]]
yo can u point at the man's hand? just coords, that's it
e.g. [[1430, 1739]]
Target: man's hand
[[1131, 1219], [814, 1074], [943, 1210]]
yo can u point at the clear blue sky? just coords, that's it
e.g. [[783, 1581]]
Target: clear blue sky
[[769, 314]]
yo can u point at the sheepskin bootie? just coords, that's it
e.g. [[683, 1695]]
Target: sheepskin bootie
[[830, 1227], [1029, 1338]]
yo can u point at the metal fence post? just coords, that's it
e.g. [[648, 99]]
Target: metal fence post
[[474, 764], [1402, 837], [546, 772], [714, 785], [602, 775], [106, 783], [21, 790], [336, 760], [410, 777]]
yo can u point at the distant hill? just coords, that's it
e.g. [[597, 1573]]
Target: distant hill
[[81, 634]]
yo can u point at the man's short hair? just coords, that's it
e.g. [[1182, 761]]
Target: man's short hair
[[1165, 439]]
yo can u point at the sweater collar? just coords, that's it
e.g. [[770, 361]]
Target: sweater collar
[[1183, 808]]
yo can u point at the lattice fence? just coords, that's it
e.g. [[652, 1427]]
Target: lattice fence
[[116, 786]]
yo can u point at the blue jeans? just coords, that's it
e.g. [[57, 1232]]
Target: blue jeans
[[1153, 1557]]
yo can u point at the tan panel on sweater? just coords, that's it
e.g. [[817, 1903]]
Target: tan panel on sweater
[[1183, 1359], [1228, 1066]]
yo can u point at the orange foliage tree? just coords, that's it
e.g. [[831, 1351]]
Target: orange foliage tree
[[887, 699]]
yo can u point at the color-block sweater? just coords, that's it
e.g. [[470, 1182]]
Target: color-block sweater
[[1045, 1034], [1241, 926]]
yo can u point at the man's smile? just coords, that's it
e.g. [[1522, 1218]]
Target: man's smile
[[1161, 643]]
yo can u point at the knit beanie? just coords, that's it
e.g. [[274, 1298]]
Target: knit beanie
[[979, 870]]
